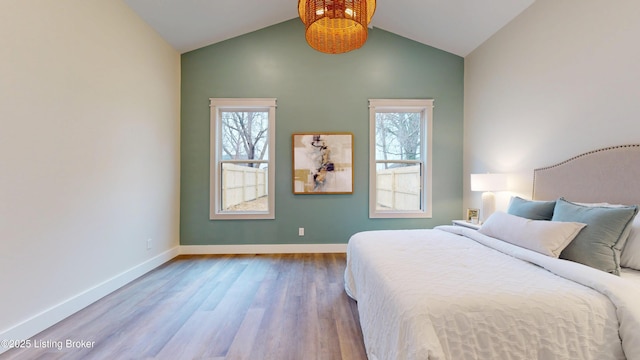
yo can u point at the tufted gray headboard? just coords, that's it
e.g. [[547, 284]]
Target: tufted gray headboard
[[606, 175]]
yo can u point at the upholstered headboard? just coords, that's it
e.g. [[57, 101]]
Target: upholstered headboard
[[606, 175]]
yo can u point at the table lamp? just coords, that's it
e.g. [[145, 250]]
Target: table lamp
[[488, 183]]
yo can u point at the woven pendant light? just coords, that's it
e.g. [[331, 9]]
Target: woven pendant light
[[337, 26]]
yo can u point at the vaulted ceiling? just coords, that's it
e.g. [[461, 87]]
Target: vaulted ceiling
[[455, 26]]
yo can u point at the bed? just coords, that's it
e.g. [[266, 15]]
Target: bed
[[521, 287]]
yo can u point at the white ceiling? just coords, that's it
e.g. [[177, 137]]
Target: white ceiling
[[456, 26]]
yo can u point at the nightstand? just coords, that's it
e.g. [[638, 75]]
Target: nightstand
[[466, 224]]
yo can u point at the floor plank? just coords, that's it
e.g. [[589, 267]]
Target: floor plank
[[277, 307]]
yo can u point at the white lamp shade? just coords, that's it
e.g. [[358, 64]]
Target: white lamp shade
[[488, 182]]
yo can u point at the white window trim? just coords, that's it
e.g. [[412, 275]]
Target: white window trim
[[239, 104], [417, 105]]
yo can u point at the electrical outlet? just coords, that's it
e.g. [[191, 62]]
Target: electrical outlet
[[149, 244], [300, 231]]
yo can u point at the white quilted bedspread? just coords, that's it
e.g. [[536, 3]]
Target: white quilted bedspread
[[433, 294]]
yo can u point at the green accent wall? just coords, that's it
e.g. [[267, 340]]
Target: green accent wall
[[324, 93]]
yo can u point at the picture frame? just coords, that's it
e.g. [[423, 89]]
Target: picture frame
[[473, 215], [322, 163]]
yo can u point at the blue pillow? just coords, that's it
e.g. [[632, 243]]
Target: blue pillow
[[598, 244], [529, 209]]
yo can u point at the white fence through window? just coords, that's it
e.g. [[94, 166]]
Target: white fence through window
[[242, 184], [398, 188]]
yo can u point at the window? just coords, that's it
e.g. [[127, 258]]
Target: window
[[400, 158], [242, 183]]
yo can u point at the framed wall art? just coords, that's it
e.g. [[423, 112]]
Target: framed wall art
[[322, 163]]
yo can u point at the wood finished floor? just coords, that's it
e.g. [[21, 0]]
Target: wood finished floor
[[218, 307]]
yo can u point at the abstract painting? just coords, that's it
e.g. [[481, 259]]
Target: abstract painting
[[322, 163]]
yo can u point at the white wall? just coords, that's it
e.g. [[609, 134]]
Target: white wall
[[89, 155], [561, 79]]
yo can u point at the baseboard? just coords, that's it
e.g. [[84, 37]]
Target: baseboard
[[262, 249], [55, 314]]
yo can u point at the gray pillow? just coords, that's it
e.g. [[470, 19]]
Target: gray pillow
[[529, 209], [599, 244]]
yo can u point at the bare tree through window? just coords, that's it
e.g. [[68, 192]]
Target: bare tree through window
[[398, 136], [245, 135]]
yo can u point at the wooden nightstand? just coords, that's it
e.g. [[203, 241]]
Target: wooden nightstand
[[466, 224]]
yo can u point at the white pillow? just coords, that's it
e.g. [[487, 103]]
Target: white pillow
[[546, 237], [631, 253]]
